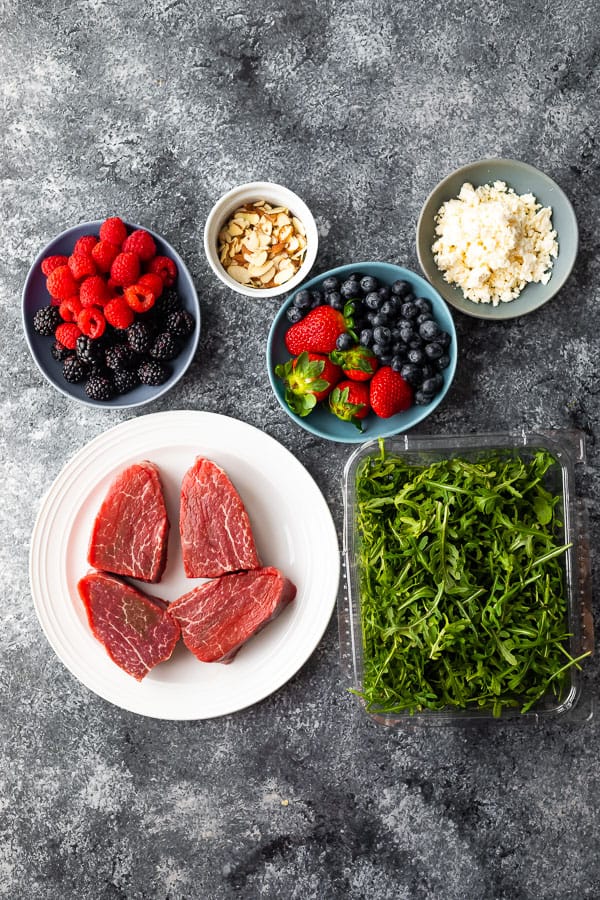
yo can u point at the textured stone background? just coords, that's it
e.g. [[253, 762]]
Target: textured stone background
[[152, 110]]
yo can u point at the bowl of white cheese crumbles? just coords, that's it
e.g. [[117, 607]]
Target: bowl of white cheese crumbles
[[497, 238]]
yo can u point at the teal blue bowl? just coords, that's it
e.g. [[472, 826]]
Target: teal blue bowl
[[320, 421], [523, 179]]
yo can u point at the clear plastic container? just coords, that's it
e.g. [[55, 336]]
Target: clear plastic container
[[568, 449]]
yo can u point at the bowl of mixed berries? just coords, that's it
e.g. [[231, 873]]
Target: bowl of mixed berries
[[111, 314], [362, 351]]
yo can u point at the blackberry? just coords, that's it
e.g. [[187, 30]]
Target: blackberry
[[88, 350], [120, 356], [59, 351], [125, 380], [99, 388], [74, 370], [152, 372], [165, 346], [139, 337], [168, 302], [46, 320], [180, 323]]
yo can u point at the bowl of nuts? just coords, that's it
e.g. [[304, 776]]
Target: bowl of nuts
[[261, 239]]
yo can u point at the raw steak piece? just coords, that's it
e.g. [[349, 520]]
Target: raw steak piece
[[131, 530], [216, 536], [219, 616], [136, 630]]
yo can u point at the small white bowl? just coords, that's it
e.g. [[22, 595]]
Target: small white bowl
[[276, 195]]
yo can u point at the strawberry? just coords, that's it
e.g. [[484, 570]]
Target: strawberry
[[349, 401], [317, 332], [389, 393], [308, 379], [359, 363]]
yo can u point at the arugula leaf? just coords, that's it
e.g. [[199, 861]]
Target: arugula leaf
[[461, 568]]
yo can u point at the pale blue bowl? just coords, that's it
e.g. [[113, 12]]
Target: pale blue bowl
[[323, 423], [35, 296]]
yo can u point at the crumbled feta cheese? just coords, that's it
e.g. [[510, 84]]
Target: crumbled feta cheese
[[491, 242]]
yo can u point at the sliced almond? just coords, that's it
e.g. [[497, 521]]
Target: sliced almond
[[292, 244], [258, 259], [235, 229], [251, 241], [239, 274], [283, 275], [266, 278], [286, 232], [298, 226]]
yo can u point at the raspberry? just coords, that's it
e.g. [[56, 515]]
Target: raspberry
[[139, 298], [125, 380], [153, 282], [98, 387], [104, 254], [85, 244], [61, 284], [50, 263], [81, 265], [141, 243], [165, 267], [152, 373], [125, 269], [46, 320], [180, 323], [69, 309], [92, 322], [67, 334], [94, 291], [113, 230], [165, 346], [74, 370], [118, 314]]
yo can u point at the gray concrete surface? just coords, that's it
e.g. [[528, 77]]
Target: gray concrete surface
[[152, 110]]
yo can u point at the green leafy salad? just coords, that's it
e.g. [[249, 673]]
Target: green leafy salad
[[462, 583]]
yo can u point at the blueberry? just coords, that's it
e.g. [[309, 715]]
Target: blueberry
[[443, 361], [429, 330], [380, 319], [373, 300], [433, 385], [422, 398], [423, 317], [411, 373], [379, 350], [317, 298], [415, 341], [397, 363], [368, 284], [335, 300], [371, 316], [385, 292], [401, 288], [409, 310], [366, 337], [415, 355], [382, 335], [406, 333], [399, 349], [350, 288], [388, 309], [444, 339], [302, 300], [294, 314], [344, 341], [423, 305], [385, 359], [330, 284], [434, 350], [428, 370]]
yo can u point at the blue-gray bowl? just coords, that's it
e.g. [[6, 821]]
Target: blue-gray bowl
[[524, 179], [36, 296], [320, 421]]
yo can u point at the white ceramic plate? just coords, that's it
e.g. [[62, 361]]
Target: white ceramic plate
[[292, 526]]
